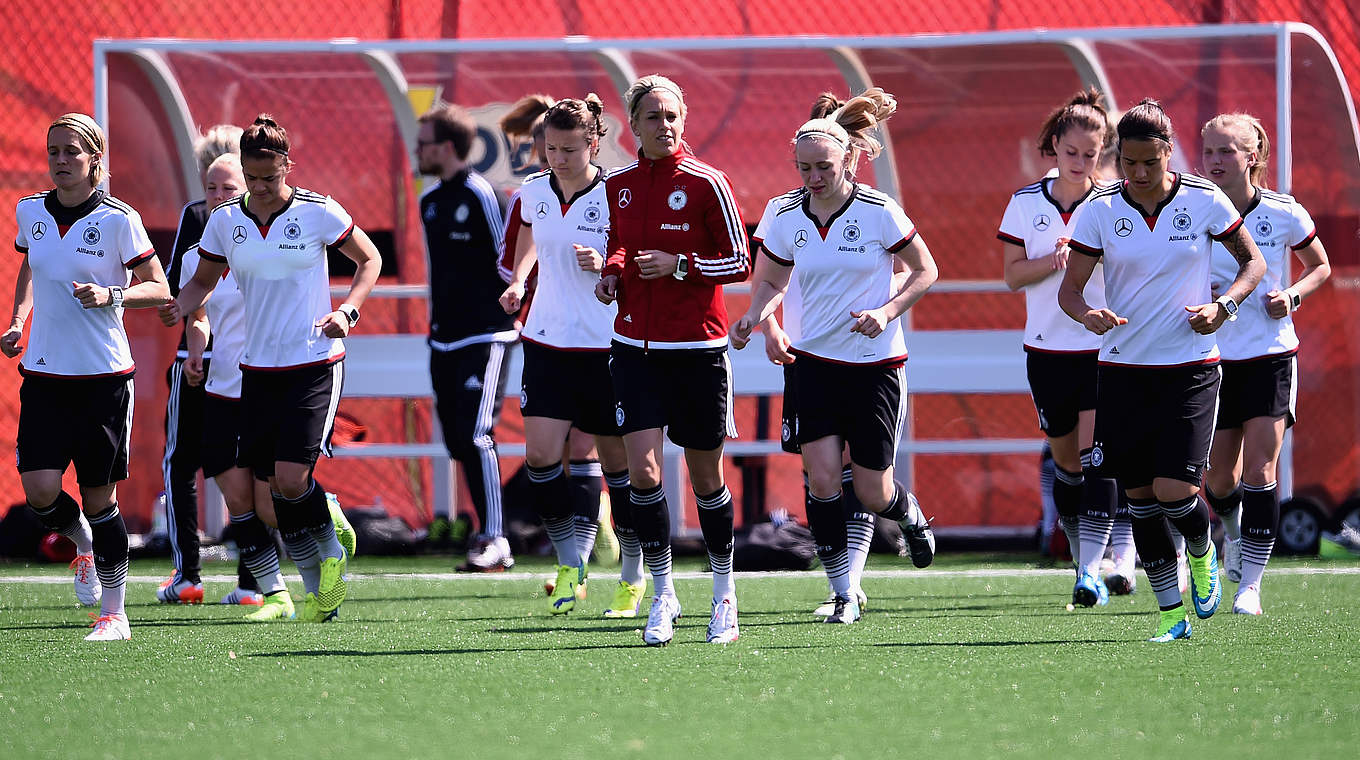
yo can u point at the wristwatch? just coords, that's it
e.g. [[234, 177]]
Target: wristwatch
[[1228, 305], [681, 267], [115, 296], [351, 313], [1295, 300]]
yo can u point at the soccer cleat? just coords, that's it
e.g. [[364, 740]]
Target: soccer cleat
[[240, 595], [550, 585], [627, 599], [312, 612], [920, 538], [111, 627], [488, 555], [722, 626], [563, 597], [1247, 601], [1204, 577], [1342, 544], [178, 590], [333, 589], [88, 590], [1120, 584], [661, 621], [1232, 559], [278, 607], [344, 532], [607, 550], [1175, 624], [1089, 591], [829, 606], [844, 611]]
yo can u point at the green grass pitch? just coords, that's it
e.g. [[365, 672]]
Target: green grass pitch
[[976, 658]]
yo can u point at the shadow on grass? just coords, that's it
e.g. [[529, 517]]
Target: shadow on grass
[[423, 652], [998, 643]]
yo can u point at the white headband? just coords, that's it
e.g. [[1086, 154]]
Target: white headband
[[822, 133]]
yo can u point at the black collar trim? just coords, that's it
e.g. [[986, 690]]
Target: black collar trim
[[807, 207], [557, 189], [66, 216]]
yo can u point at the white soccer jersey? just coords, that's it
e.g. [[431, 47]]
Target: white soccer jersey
[[226, 311], [65, 339], [1155, 266], [280, 264], [565, 312], [842, 267], [1279, 225], [1035, 221]]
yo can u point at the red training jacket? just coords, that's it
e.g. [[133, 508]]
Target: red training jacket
[[679, 205]]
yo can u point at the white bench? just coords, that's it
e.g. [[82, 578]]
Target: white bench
[[942, 361]]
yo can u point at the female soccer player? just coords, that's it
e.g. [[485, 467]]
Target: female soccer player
[[1060, 355], [1159, 372], [274, 238], [1256, 401], [223, 322], [675, 236], [564, 225], [184, 402], [75, 404], [840, 237]]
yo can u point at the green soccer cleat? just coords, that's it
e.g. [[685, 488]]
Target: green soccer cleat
[[563, 597], [1175, 624], [276, 607], [331, 593], [627, 599], [312, 612], [344, 532], [1205, 589]]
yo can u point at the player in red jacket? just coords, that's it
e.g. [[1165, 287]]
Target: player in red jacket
[[675, 238]]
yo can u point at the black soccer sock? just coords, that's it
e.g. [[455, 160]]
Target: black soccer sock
[[302, 548], [258, 552], [1191, 518], [621, 505], [585, 486], [1096, 520], [1067, 492], [1260, 521], [652, 519], [551, 498], [715, 521], [826, 518], [1226, 507], [897, 508], [110, 557], [63, 516], [1152, 536]]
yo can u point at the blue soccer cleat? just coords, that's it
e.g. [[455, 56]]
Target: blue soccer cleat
[[1204, 577]]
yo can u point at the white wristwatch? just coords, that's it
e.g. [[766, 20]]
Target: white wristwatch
[[1228, 305], [681, 267], [115, 296]]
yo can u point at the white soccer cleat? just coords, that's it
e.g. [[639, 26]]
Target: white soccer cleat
[[239, 595], [722, 627], [489, 555], [1247, 601], [1232, 559], [88, 590], [661, 621], [111, 627], [829, 606]]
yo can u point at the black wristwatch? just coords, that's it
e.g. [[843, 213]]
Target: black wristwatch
[[681, 267], [351, 313]]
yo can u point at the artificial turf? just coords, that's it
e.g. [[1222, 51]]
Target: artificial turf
[[977, 658]]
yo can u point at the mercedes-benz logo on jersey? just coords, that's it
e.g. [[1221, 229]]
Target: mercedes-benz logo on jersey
[[1123, 226], [292, 231], [238, 235], [91, 236], [800, 238], [1263, 228], [39, 229], [541, 210], [625, 198], [460, 214], [1181, 222], [851, 233], [592, 214], [677, 200], [1041, 222]]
